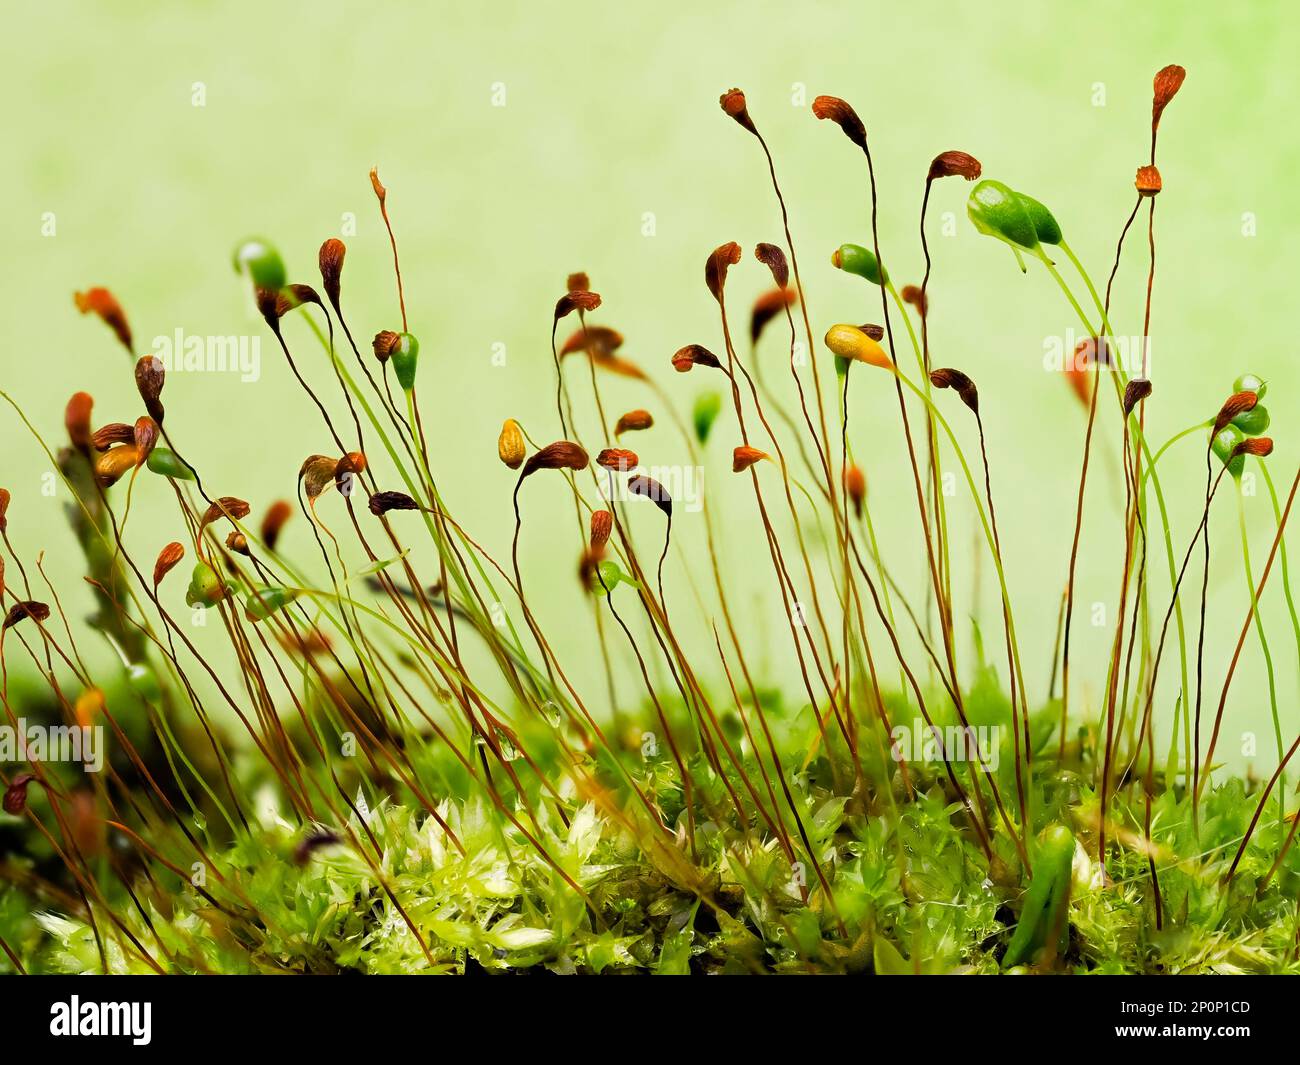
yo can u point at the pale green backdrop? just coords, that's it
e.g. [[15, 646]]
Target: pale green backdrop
[[610, 155]]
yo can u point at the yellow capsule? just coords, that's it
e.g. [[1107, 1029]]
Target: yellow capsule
[[112, 464], [510, 444], [90, 704], [850, 342]]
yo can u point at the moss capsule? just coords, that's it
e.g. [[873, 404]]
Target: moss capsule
[[405, 356], [855, 259], [1224, 444], [261, 262]]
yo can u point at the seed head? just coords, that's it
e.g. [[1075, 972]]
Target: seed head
[[15, 800], [273, 522], [1135, 392], [103, 303], [168, 557], [149, 378], [855, 483], [959, 383], [510, 444], [28, 608], [76, 419], [733, 104], [694, 355], [113, 433], [742, 458], [145, 437], [385, 343], [602, 524], [1148, 181], [382, 502], [633, 421], [954, 164], [773, 258], [842, 115], [228, 506], [561, 455], [766, 307], [618, 459], [715, 268], [1165, 85], [114, 463], [1237, 403], [648, 488]]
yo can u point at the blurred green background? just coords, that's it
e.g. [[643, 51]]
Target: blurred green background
[[610, 155]]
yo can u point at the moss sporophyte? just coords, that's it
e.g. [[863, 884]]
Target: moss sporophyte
[[348, 735]]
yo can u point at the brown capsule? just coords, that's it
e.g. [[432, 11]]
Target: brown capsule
[[349, 467], [150, 375], [238, 543], [578, 282], [381, 193], [114, 463], [145, 435], [766, 307], [563, 454], [715, 267], [310, 844], [913, 296], [1148, 181], [76, 419], [385, 343], [954, 164], [382, 502], [773, 258], [1164, 86], [1135, 392], [648, 488], [633, 421], [226, 506], [273, 522], [576, 300], [855, 483], [330, 261], [733, 105], [618, 459], [1258, 446], [959, 383], [113, 433], [596, 340], [15, 800], [875, 332], [4, 509], [317, 474], [742, 458], [1237, 403], [103, 303], [2, 577], [839, 112], [290, 298], [694, 355], [510, 444], [168, 557], [602, 524], [28, 608]]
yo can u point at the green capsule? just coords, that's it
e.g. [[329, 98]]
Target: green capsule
[[855, 259], [1045, 224], [163, 461], [265, 600], [1223, 446], [998, 211], [1249, 382], [610, 577], [205, 588], [261, 262], [1252, 422], [707, 408], [404, 358], [144, 681]]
